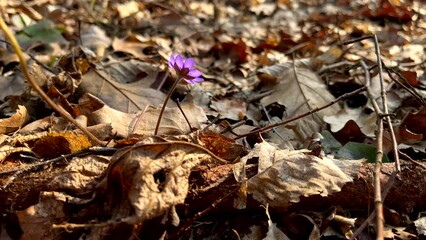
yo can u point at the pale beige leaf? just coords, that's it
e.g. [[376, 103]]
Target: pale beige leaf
[[299, 92], [421, 225], [135, 45], [143, 122], [6, 150], [293, 174], [230, 108], [117, 93], [204, 8], [81, 175], [36, 220], [274, 233], [128, 8], [16, 121]]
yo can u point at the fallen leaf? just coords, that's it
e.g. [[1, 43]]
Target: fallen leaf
[[127, 9], [354, 150], [44, 31], [96, 40], [16, 121], [284, 176], [230, 108], [12, 86], [7, 150], [421, 225], [220, 145], [144, 122], [134, 45], [80, 175], [151, 177], [340, 121], [122, 96], [56, 144], [274, 233], [416, 122], [299, 90]]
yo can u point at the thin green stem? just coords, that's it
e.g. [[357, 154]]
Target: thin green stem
[[165, 104]]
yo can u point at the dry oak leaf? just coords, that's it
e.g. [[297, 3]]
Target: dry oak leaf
[[284, 176], [151, 177], [14, 122], [36, 220], [111, 86], [220, 145], [300, 90], [143, 122]]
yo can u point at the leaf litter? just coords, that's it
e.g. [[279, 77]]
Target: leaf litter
[[204, 175]]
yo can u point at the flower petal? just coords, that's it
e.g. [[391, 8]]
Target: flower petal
[[189, 63], [194, 73], [195, 80], [179, 61], [172, 61]]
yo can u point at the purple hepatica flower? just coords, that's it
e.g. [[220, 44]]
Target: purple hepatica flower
[[185, 69]]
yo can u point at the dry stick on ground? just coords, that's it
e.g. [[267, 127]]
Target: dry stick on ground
[[269, 127], [377, 193], [383, 95], [37, 88], [385, 105], [378, 166], [183, 113], [139, 119]]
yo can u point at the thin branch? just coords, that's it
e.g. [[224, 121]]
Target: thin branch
[[385, 105], [373, 214], [379, 155], [138, 120]]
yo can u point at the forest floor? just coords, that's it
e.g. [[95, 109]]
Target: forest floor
[[287, 119]]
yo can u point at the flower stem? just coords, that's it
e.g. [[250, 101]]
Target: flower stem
[[165, 104]]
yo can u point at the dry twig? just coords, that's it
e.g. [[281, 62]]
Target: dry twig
[[379, 155]]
